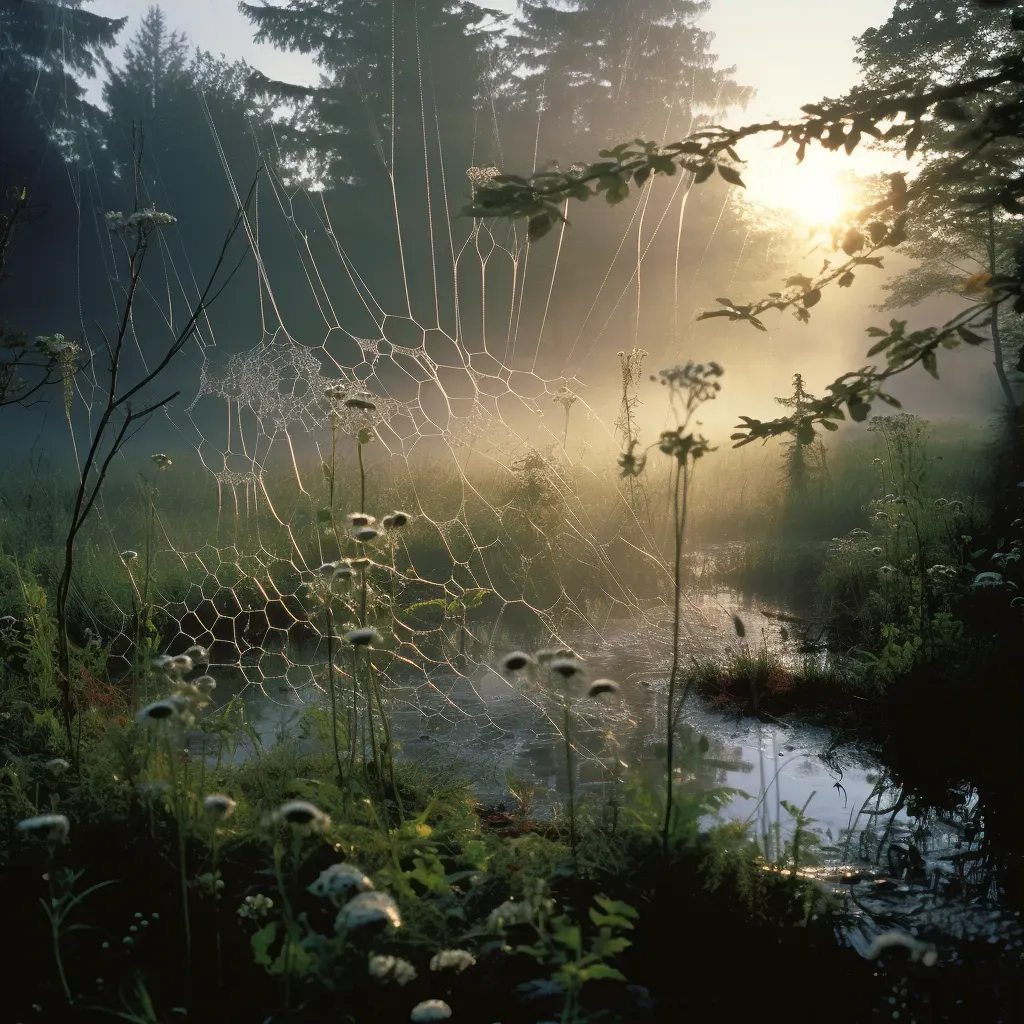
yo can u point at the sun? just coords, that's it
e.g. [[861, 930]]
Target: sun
[[819, 193]]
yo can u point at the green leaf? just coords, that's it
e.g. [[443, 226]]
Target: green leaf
[[880, 346], [570, 937], [930, 363], [812, 298], [970, 337], [829, 425], [539, 226], [597, 972], [703, 173], [261, 943], [859, 410]]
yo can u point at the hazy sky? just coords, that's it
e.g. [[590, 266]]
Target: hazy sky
[[792, 51]]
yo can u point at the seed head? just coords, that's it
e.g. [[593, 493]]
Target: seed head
[[599, 686], [57, 766], [171, 709], [207, 684], [369, 908], [219, 806], [365, 534], [161, 461], [180, 663], [199, 654], [356, 519], [737, 624], [129, 556], [397, 520], [361, 401], [51, 827]]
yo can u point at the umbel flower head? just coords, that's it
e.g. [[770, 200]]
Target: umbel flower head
[[357, 519], [396, 520], [301, 814], [129, 556], [602, 686], [452, 960], [566, 667], [340, 881], [219, 806], [161, 461], [199, 654], [369, 908], [51, 827], [57, 765], [430, 1010], [170, 709], [391, 968], [515, 661], [255, 907]]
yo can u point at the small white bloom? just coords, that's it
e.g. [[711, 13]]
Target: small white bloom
[[219, 806], [600, 686], [161, 461], [180, 663], [57, 766], [566, 667], [876, 551], [129, 556], [356, 519], [362, 637], [169, 709], [515, 661], [430, 1010], [365, 534], [199, 654], [301, 814], [340, 880], [384, 967], [255, 906], [207, 684], [46, 826], [452, 960], [369, 908]]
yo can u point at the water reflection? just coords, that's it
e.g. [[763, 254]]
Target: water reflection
[[895, 865]]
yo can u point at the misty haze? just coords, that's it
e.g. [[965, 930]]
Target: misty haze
[[511, 512]]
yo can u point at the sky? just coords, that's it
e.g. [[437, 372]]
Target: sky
[[792, 51]]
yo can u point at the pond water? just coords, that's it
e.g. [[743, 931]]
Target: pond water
[[929, 874]]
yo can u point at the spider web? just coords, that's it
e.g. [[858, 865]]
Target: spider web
[[470, 404]]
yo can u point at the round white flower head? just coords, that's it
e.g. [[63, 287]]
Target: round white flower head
[[219, 806], [430, 1009], [57, 765], [328, 568], [452, 960], [876, 551], [167, 710], [180, 663], [369, 908], [161, 461], [362, 401], [162, 661], [599, 686], [51, 827], [357, 519], [339, 881], [566, 667], [515, 661], [199, 654], [362, 637], [343, 572], [129, 556], [301, 814], [364, 534], [397, 520], [384, 967]]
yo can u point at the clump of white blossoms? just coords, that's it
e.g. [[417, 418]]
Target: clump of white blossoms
[[56, 346], [566, 667], [129, 556], [430, 1010], [602, 686], [57, 765], [452, 960], [51, 827], [171, 709], [218, 806], [384, 967], [358, 519], [396, 520], [301, 814], [255, 907], [515, 661], [369, 908], [143, 221], [161, 461], [340, 881]]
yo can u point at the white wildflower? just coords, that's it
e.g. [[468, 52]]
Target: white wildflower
[[600, 686], [356, 519], [206, 684], [46, 826], [985, 580], [219, 806], [340, 880], [391, 968], [369, 908], [170, 709], [199, 654], [362, 637], [129, 556], [180, 663], [876, 551], [452, 960], [57, 765], [515, 661], [255, 907], [161, 461], [301, 814], [429, 1010], [566, 667]]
